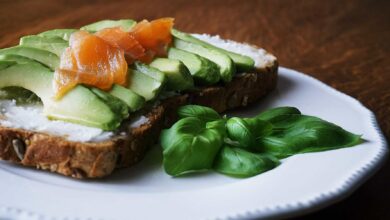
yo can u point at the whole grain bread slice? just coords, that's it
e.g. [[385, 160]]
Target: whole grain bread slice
[[99, 159]]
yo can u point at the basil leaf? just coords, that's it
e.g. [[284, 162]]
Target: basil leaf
[[274, 112], [205, 114], [237, 162], [191, 145], [219, 125], [294, 134], [245, 131]]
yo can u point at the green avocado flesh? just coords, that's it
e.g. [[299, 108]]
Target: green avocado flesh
[[5, 64], [150, 71], [15, 58], [61, 33], [202, 70], [225, 64], [42, 56], [54, 45], [115, 104], [125, 24], [178, 76], [79, 105], [144, 85], [146, 81], [243, 63], [133, 101]]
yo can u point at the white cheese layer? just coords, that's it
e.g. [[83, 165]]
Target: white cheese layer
[[260, 56], [32, 117]]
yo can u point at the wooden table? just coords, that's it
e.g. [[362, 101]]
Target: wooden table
[[345, 44]]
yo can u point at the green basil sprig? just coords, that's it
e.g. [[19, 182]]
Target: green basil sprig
[[246, 131], [237, 162], [191, 145], [296, 133], [244, 147]]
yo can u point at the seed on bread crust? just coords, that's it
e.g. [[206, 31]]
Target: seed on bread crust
[[19, 148]]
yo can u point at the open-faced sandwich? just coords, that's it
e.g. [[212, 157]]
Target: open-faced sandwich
[[82, 102]]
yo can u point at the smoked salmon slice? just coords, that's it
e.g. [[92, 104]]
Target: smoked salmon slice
[[92, 61], [101, 59], [155, 36], [123, 40]]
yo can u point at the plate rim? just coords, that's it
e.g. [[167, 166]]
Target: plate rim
[[300, 207]]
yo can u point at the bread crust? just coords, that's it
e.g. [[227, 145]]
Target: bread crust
[[99, 159]]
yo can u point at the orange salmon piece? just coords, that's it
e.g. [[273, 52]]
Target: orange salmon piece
[[124, 40], [92, 61], [154, 36]]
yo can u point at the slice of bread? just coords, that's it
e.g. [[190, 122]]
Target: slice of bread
[[129, 145]]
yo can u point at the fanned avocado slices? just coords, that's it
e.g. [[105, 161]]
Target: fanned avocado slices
[[146, 81], [54, 45], [44, 57], [243, 63], [225, 64], [204, 71], [80, 105], [178, 76]]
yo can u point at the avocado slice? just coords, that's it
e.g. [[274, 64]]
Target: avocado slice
[[144, 85], [19, 94], [61, 33], [55, 45], [133, 101], [202, 70], [15, 58], [115, 104], [79, 105], [6, 63], [146, 81], [178, 76], [125, 24], [47, 58], [150, 71], [243, 63], [225, 64]]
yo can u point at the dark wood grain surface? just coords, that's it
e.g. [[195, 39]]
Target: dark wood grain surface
[[345, 44]]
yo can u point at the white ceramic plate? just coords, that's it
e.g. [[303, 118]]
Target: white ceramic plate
[[301, 184]]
